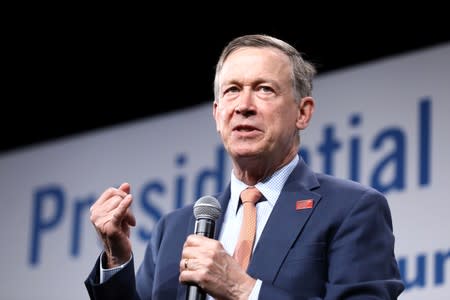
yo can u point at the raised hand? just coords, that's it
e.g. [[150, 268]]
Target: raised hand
[[112, 217]]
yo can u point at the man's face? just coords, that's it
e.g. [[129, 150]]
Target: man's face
[[256, 113]]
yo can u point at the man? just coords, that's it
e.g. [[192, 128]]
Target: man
[[317, 237]]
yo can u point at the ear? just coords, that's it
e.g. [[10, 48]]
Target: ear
[[305, 112]]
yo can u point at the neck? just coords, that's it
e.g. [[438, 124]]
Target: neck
[[252, 170]]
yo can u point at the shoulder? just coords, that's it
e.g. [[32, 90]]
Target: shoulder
[[348, 193], [177, 217], [329, 183], [184, 216], [350, 200]]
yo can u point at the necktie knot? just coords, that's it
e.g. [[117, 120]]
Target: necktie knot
[[250, 195]]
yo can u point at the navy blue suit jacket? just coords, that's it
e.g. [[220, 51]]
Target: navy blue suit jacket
[[341, 248]]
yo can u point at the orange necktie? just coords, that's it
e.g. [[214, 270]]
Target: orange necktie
[[244, 246]]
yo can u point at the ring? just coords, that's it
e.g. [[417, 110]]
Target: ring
[[186, 263]]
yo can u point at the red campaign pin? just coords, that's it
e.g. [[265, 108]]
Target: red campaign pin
[[304, 204]]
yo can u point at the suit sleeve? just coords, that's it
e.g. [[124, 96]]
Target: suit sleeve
[[125, 284], [361, 260], [120, 286], [146, 271]]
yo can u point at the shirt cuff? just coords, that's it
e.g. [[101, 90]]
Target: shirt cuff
[[255, 291], [106, 274]]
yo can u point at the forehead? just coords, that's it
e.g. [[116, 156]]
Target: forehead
[[252, 61]]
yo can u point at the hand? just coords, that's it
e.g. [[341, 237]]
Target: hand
[[112, 218], [205, 262]]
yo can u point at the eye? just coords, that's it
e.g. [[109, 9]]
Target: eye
[[265, 89], [232, 89]]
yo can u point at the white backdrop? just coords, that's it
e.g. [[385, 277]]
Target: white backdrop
[[385, 124]]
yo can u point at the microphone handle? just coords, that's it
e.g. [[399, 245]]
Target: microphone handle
[[204, 227], [195, 293]]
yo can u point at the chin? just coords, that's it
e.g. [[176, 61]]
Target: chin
[[243, 153]]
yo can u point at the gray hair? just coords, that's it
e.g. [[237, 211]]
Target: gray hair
[[302, 71]]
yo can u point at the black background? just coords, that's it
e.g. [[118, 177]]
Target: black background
[[73, 73]]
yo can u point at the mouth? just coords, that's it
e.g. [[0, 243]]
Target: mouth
[[246, 132], [244, 128]]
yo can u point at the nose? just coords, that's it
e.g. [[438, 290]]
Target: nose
[[246, 103]]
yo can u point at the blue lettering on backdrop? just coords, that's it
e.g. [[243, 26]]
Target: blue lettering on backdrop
[[180, 181], [418, 280], [147, 206], [355, 149], [81, 208], [148, 202], [328, 147], [395, 159], [439, 266], [216, 175], [425, 141], [50, 201], [52, 195]]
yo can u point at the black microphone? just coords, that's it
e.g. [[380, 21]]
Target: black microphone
[[206, 211]]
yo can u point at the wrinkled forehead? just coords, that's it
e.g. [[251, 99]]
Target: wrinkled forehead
[[250, 63]]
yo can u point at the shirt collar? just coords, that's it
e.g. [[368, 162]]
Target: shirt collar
[[270, 188]]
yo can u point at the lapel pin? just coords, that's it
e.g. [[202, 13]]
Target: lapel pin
[[304, 204]]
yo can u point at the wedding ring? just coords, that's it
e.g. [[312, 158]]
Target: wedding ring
[[186, 263]]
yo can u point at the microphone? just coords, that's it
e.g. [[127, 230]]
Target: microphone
[[206, 211]]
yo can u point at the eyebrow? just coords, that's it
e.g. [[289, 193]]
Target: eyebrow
[[258, 81]]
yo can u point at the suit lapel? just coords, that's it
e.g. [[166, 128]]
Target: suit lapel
[[283, 227], [285, 223], [223, 200]]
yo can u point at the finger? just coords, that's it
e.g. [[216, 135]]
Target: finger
[[184, 264], [129, 216], [190, 271], [104, 208], [196, 240], [125, 224], [125, 187], [109, 193], [112, 203], [200, 251], [189, 264], [188, 277], [121, 210]]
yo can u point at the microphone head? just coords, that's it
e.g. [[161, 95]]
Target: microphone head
[[207, 207]]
